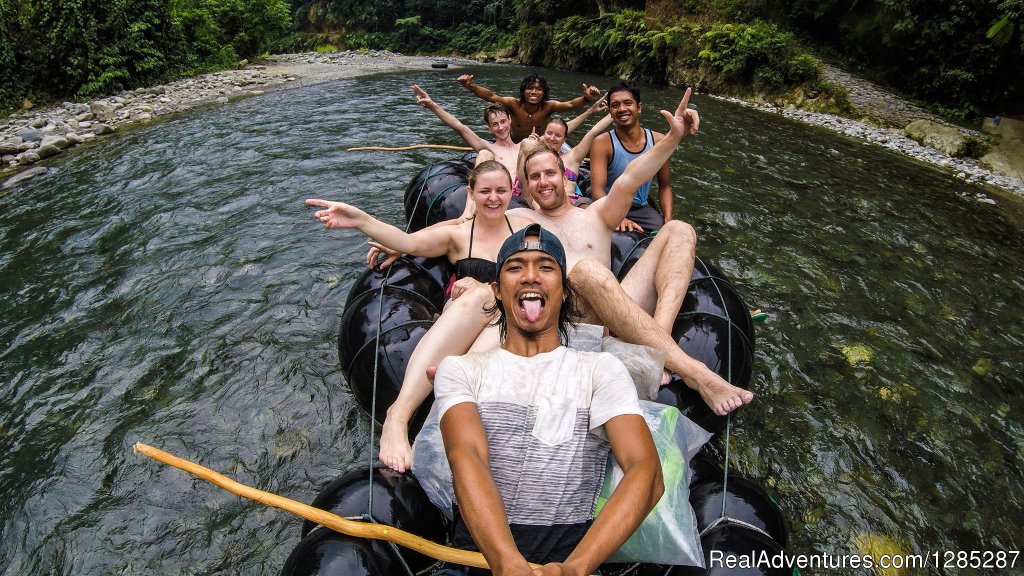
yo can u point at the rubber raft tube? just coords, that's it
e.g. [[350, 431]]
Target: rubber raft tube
[[388, 311], [385, 315]]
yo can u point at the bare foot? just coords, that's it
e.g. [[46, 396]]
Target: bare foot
[[395, 451], [721, 396]]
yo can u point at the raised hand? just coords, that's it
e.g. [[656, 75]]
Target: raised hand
[[685, 121], [591, 92], [422, 98], [376, 250], [466, 80], [336, 214]]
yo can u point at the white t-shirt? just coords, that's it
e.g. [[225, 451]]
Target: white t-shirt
[[544, 417]]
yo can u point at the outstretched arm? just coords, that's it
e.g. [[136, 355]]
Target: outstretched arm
[[635, 496], [480, 505], [485, 94], [427, 242], [423, 99], [590, 93], [683, 122], [580, 151], [598, 106]]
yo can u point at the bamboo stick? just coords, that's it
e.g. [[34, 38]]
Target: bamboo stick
[[413, 147], [322, 517]]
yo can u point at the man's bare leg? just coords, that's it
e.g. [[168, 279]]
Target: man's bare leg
[[659, 279], [606, 298], [452, 334]]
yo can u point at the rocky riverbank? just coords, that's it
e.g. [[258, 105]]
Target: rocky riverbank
[[886, 119], [30, 136]]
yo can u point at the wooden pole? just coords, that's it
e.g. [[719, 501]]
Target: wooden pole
[[413, 147], [322, 517]]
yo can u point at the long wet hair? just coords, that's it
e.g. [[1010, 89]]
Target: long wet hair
[[569, 314], [529, 81]]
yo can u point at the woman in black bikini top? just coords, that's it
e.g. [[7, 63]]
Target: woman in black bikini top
[[480, 269], [490, 189]]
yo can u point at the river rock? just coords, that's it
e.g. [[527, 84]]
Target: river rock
[[26, 175], [9, 147], [25, 146], [47, 150], [30, 135], [8, 159], [60, 142], [102, 129], [28, 158], [74, 138], [101, 111], [85, 116], [945, 139], [1007, 156]]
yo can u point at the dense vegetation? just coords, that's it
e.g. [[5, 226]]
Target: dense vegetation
[[964, 56], [408, 26], [56, 49]]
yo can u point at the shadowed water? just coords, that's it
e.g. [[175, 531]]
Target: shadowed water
[[168, 286]]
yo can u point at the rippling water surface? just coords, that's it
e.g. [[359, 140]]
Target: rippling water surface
[[168, 286]]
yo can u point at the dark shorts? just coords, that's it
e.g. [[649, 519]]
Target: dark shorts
[[647, 217]]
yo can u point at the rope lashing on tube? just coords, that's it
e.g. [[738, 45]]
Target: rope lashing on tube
[[376, 366], [403, 148], [394, 547]]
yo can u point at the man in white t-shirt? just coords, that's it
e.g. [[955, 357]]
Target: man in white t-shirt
[[527, 428]]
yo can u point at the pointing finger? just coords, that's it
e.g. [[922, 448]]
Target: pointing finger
[[684, 103]]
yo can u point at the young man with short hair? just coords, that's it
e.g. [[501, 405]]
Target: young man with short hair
[[614, 150]]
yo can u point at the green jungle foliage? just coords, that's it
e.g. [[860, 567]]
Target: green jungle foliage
[[967, 56], [407, 26], [56, 49], [733, 57]]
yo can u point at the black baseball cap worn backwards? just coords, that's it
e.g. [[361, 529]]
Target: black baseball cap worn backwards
[[546, 242]]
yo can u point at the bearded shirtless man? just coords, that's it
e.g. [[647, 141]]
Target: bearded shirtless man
[[656, 285]]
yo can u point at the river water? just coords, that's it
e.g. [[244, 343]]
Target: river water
[[168, 286]]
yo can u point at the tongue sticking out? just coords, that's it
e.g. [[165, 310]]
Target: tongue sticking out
[[532, 308]]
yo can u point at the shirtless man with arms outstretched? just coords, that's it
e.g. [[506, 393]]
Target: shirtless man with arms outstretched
[[531, 112]]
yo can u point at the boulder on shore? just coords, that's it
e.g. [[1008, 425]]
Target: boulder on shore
[[945, 139], [1008, 155]]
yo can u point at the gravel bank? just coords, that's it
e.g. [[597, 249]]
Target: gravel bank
[[29, 136]]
